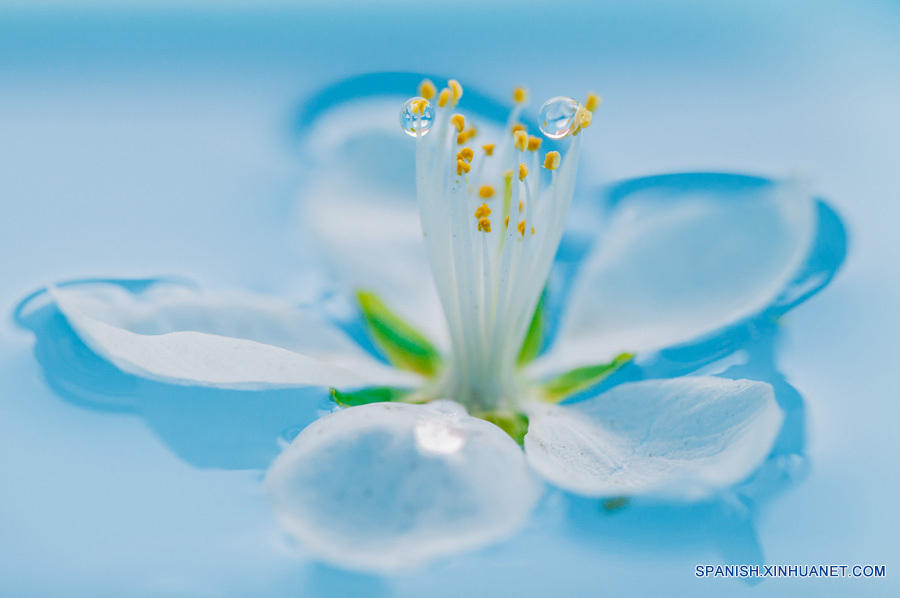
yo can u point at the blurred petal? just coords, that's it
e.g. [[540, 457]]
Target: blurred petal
[[388, 486], [184, 336], [680, 263], [682, 438], [358, 210]]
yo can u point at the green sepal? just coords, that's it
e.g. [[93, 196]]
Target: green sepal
[[513, 423], [534, 338], [611, 505], [374, 394], [404, 346], [574, 381]]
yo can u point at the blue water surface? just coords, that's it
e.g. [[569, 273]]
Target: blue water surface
[[141, 141]]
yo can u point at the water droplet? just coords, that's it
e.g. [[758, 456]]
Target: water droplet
[[439, 438], [557, 117], [410, 120]]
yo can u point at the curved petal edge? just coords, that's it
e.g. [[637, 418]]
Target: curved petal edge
[[387, 486], [179, 335], [678, 263], [683, 438]]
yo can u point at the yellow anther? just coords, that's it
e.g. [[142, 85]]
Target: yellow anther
[[534, 143], [486, 191], [418, 106], [466, 154], [521, 140], [520, 95], [507, 175], [521, 227], [506, 222], [484, 225], [592, 102], [471, 132], [488, 149], [455, 89], [521, 205], [444, 97], [483, 211], [532, 230], [519, 127], [584, 118], [523, 172], [458, 121], [461, 167], [551, 160], [461, 138], [427, 89]]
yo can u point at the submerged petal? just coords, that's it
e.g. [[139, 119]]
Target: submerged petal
[[387, 486], [684, 257], [682, 438], [181, 335]]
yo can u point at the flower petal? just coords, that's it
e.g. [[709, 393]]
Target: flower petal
[[387, 486], [358, 210], [180, 335], [680, 438], [358, 205], [684, 256]]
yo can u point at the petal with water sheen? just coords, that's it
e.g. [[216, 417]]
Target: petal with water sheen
[[682, 438], [388, 486], [179, 335], [678, 264]]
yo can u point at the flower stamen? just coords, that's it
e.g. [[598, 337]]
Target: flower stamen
[[489, 285], [456, 90], [551, 160], [520, 140], [427, 89], [591, 103], [458, 121], [520, 95]]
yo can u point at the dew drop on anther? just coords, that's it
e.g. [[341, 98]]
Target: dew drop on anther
[[415, 115], [557, 117]]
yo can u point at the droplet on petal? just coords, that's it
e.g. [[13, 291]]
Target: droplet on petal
[[417, 114], [442, 439], [557, 117], [387, 486]]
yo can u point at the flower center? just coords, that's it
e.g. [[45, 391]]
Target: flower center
[[492, 219]]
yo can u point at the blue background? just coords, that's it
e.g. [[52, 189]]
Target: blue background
[[139, 141]]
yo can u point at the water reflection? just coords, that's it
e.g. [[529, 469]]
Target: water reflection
[[206, 427]]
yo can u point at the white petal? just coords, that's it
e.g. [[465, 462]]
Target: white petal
[[180, 335], [681, 438], [387, 486], [357, 210], [677, 264]]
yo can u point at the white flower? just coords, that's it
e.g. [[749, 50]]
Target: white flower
[[424, 461]]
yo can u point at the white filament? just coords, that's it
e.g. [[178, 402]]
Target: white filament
[[489, 283]]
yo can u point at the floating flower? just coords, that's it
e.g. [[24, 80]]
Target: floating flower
[[442, 445]]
